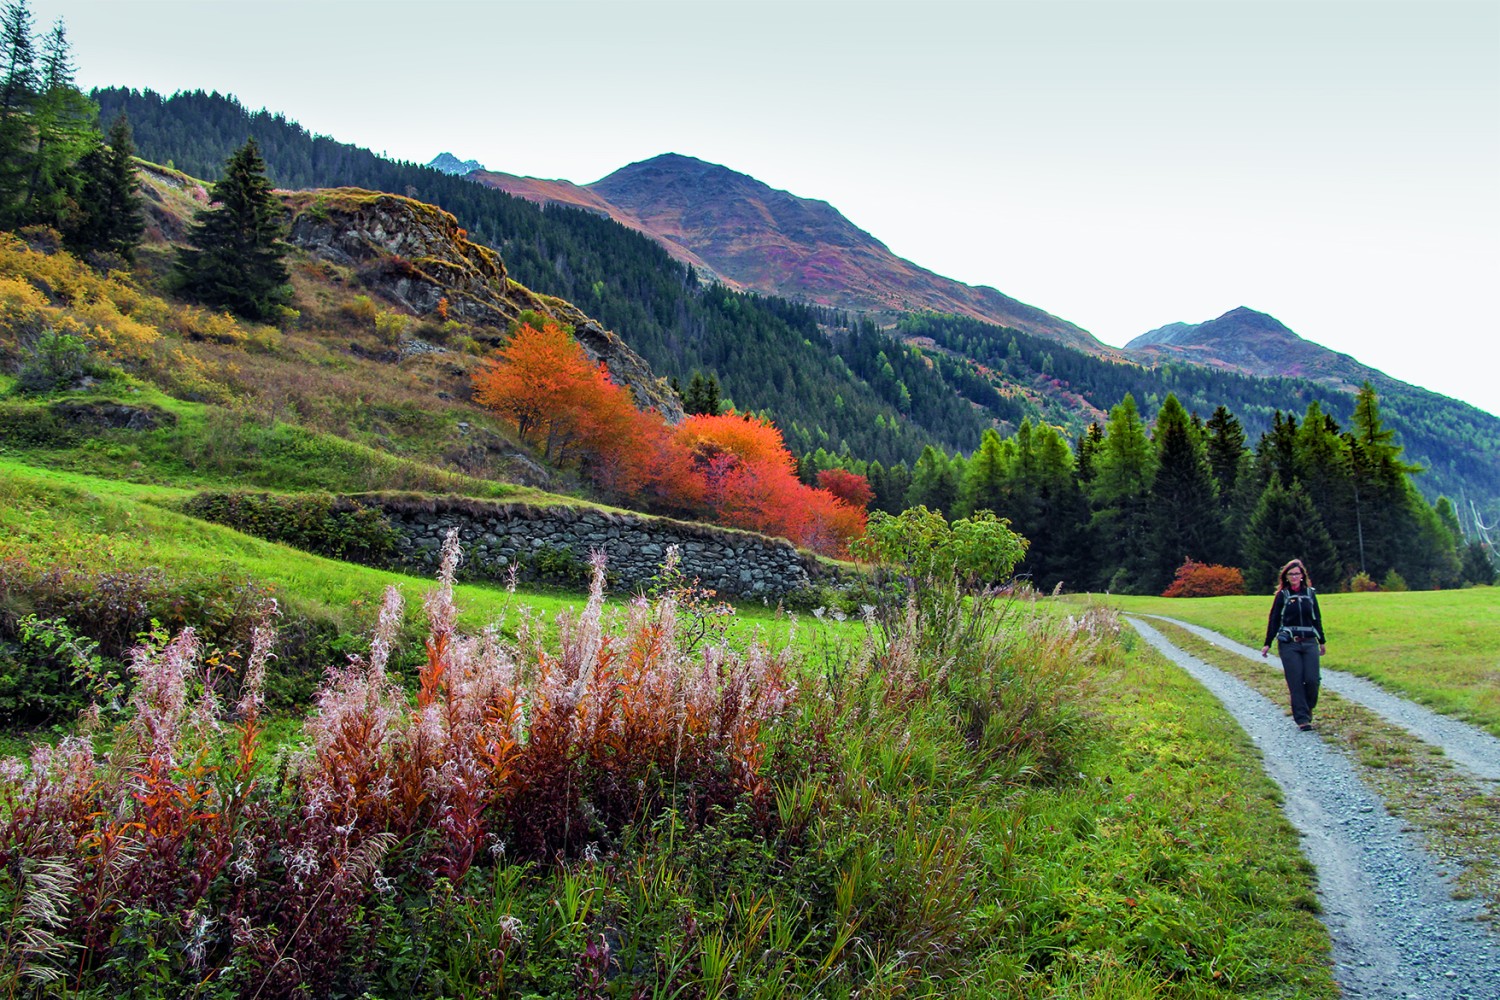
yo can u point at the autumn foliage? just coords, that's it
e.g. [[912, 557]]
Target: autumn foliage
[[732, 468], [560, 401], [850, 487], [1195, 579], [258, 872]]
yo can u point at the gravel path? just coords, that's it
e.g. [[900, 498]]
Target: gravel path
[[1468, 746], [1397, 932]]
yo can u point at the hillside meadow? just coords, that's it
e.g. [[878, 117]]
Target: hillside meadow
[[1054, 812], [1439, 648]]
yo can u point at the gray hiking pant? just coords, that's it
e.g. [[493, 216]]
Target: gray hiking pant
[[1299, 662]]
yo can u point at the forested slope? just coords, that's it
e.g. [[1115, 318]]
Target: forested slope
[[828, 379]]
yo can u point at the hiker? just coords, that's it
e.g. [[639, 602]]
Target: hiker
[[1297, 627]]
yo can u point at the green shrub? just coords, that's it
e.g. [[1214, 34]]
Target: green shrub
[[34, 427], [57, 361], [48, 671], [337, 527], [1393, 581], [550, 564]]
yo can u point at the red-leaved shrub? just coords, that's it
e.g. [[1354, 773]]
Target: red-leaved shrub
[[1195, 579]]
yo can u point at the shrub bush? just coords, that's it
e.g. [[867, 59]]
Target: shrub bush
[[1195, 579], [1361, 583], [337, 527]]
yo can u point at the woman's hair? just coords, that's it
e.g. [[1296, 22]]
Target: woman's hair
[[1294, 564]]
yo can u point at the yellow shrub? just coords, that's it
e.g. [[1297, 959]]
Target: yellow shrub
[[113, 333]]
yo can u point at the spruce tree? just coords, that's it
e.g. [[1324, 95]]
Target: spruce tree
[[1184, 515], [63, 131], [109, 218], [18, 92], [234, 255], [1286, 525], [983, 486], [1124, 467], [934, 481]]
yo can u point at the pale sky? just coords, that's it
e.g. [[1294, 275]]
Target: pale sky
[[1120, 164]]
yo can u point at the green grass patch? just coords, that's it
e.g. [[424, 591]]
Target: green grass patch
[[1170, 848], [1438, 648], [201, 445]]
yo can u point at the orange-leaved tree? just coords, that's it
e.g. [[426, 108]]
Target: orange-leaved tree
[[559, 400], [749, 481]]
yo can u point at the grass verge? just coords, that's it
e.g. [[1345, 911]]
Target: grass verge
[[1457, 814]]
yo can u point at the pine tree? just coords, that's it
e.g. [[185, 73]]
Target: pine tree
[[235, 251], [109, 218]]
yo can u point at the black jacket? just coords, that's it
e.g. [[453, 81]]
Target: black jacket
[[1301, 613]]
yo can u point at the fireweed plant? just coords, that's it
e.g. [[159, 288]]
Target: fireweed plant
[[626, 807], [181, 855]]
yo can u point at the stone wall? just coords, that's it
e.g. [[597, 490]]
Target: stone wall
[[494, 536]]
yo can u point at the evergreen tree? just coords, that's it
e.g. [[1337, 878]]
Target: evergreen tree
[[234, 255], [1184, 513], [1378, 488], [934, 481], [63, 130], [1089, 443], [984, 482], [1477, 567], [1232, 464], [1285, 526], [1055, 518], [702, 395], [1226, 449], [110, 217], [1320, 463], [1121, 493], [18, 91]]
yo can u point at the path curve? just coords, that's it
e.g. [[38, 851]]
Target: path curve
[[1470, 747], [1397, 932]]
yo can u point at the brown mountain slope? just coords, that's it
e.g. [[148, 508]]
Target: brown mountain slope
[[558, 192], [775, 242], [1254, 343]]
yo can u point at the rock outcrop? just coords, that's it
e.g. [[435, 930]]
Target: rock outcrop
[[417, 257]]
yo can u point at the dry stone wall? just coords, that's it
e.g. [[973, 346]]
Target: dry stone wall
[[550, 540]]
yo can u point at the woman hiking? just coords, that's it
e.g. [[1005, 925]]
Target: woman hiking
[[1297, 626]]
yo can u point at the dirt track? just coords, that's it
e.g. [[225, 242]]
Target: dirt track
[[1397, 932]]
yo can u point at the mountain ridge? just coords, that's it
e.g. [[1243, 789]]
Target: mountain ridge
[[771, 241], [1256, 343]]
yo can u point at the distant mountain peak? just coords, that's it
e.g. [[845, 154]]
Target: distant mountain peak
[[450, 164], [1237, 324]]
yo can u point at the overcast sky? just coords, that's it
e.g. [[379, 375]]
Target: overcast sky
[[1121, 164]]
